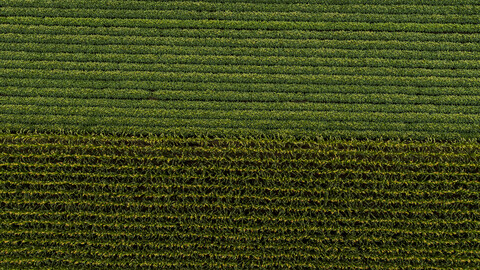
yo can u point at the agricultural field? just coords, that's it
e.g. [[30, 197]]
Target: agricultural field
[[322, 134], [102, 202], [332, 68]]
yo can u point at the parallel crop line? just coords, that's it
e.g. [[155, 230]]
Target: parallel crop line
[[297, 191], [263, 126], [213, 225], [31, 99], [396, 7], [229, 236], [300, 164], [180, 13], [292, 161], [217, 264], [249, 169], [172, 206], [446, 132], [232, 170], [238, 24], [124, 93], [13, 108], [240, 69], [273, 201], [106, 245], [240, 34], [245, 77], [239, 51], [258, 43], [288, 226], [236, 61], [192, 246], [244, 255], [242, 179], [159, 142]]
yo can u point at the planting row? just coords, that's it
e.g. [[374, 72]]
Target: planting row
[[113, 123], [239, 15], [127, 60], [240, 69], [389, 79], [254, 115], [444, 7], [241, 34], [192, 100], [150, 50], [242, 43], [238, 24]]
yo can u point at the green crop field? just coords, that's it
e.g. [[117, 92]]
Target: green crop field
[[104, 201], [243, 134]]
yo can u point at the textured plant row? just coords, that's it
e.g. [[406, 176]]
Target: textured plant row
[[444, 7], [241, 34], [239, 69], [239, 25], [134, 51], [125, 61], [243, 43], [333, 16], [254, 115], [133, 125]]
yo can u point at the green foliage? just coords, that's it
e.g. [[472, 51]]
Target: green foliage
[[71, 201], [193, 134]]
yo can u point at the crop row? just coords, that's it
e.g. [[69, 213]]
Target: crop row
[[132, 244], [216, 125], [331, 194], [330, 198], [238, 69], [131, 51], [243, 43], [189, 245], [345, 209], [67, 263], [314, 79], [146, 150], [253, 224], [159, 246], [240, 16], [127, 61], [407, 104], [331, 202], [139, 146], [253, 115], [233, 96], [122, 91], [109, 259], [294, 165], [446, 184], [253, 144], [236, 24], [444, 7], [240, 34], [449, 187], [341, 131]]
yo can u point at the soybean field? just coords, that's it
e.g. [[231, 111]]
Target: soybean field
[[332, 68], [239, 134]]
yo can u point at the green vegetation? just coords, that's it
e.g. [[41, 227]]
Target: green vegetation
[[244, 134], [348, 69], [109, 201]]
